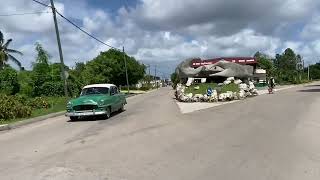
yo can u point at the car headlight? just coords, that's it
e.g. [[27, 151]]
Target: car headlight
[[101, 103], [69, 104]]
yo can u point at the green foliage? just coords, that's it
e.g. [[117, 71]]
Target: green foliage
[[230, 87], [315, 71], [266, 63], [202, 88], [43, 55], [6, 53], [109, 67], [175, 79], [25, 81], [38, 103], [284, 67], [9, 81], [12, 107], [46, 78], [145, 88]]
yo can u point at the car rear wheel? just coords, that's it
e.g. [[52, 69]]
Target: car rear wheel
[[122, 108]]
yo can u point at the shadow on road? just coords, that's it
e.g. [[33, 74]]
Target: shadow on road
[[310, 90], [316, 85], [95, 118]]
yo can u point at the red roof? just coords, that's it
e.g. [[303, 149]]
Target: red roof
[[240, 60]]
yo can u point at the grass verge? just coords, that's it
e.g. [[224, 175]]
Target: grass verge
[[204, 86], [58, 104]]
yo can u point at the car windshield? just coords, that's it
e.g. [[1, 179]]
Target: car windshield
[[94, 90]]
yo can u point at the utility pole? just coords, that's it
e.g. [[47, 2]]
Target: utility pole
[[60, 49], [149, 78], [308, 72], [125, 66], [155, 75]]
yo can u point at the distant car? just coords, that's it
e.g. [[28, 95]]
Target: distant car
[[96, 100]]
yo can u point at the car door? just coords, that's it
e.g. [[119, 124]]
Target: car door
[[114, 98], [117, 97]]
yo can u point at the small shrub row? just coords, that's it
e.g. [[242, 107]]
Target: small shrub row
[[12, 107], [19, 106]]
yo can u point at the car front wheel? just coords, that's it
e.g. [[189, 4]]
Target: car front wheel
[[74, 118], [108, 112]]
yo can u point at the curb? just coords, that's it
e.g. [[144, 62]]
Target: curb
[[29, 121]]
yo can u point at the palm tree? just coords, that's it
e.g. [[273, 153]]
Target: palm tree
[[5, 53]]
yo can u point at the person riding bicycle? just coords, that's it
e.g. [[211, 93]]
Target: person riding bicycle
[[271, 84]]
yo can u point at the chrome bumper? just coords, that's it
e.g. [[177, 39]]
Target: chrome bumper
[[85, 113]]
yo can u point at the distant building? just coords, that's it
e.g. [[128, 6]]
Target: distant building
[[240, 60], [258, 76], [154, 81]]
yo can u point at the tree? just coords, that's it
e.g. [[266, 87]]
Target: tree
[[108, 67], [175, 79], [6, 53], [26, 83], [40, 71], [75, 79], [9, 81], [265, 62], [315, 71], [287, 60]]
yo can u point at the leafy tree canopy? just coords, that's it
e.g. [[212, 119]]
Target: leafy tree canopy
[[6, 53], [109, 67]]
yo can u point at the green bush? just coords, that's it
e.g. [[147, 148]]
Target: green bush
[[145, 88], [9, 81], [38, 103], [11, 107], [230, 87], [202, 88]]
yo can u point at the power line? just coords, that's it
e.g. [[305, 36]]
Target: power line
[[75, 25], [43, 4], [85, 31], [20, 14]]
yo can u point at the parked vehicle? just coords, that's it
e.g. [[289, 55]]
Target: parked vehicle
[[96, 100]]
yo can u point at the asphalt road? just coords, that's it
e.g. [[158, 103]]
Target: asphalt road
[[266, 137]]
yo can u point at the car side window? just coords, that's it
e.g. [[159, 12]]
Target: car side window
[[111, 91], [116, 91]]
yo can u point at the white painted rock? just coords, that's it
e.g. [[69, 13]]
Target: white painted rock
[[243, 86], [214, 94], [203, 80], [222, 97], [229, 95], [237, 81], [254, 92], [198, 96], [226, 82], [189, 95], [241, 94], [251, 85], [235, 96], [189, 81], [230, 79]]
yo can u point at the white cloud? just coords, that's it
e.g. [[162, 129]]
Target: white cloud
[[165, 30], [312, 28]]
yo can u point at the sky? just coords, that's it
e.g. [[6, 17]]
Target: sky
[[164, 32]]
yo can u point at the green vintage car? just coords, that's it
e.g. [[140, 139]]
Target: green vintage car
[[96, 100]]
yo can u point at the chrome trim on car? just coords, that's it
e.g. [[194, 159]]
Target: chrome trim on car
[[85, 113]]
